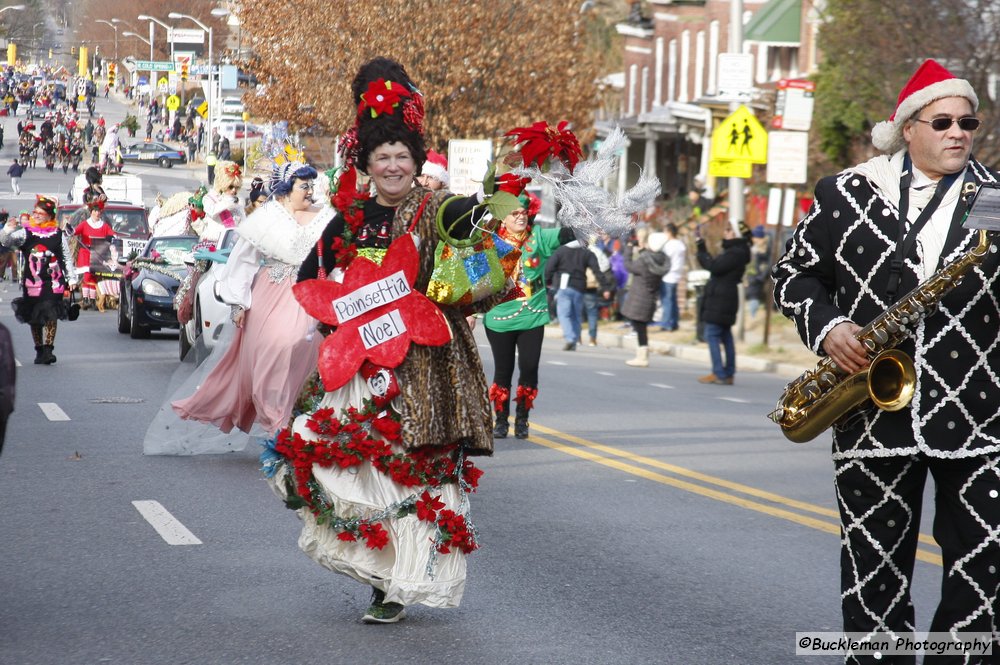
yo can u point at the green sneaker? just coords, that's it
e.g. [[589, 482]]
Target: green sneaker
[[384, 613]]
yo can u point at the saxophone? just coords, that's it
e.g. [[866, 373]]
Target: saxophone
[[816, 400]]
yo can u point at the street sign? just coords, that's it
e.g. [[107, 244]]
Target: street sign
[[787, 157], [467, 162], [793, 106], [728, 168], [740, 137], [735, 76], [203, 109], [173, 103], [186, 36], [154, 65], [161, 85]]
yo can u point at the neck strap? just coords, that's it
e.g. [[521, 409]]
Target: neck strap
[[904, 240]]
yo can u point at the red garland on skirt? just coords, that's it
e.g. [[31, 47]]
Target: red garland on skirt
[[346, 443], [499, 396], [526, 396]]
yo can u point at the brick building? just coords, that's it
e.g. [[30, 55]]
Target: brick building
[[668, 90]]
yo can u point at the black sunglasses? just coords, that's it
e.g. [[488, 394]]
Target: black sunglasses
[[966, 124]]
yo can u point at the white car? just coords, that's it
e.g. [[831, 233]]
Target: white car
[[210, 312], [235, 130], [231, 106]]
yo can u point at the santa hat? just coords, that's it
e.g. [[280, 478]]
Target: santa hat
[[929, 83], [436, 167]]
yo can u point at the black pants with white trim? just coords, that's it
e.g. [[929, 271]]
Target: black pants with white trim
[[880, 506]]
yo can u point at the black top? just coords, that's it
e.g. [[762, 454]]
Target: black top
[[376, 231]]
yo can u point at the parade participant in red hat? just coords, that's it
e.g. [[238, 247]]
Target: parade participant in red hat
[[45, 280], [873, 233], [434, 175]]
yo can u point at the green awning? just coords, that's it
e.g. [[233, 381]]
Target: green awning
[[777, 22]]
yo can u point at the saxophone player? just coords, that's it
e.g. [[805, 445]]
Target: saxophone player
[[874, 232]]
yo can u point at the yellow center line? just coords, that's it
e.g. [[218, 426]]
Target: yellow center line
[[805, 520]]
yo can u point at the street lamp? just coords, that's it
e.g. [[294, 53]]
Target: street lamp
[[34, 44], [211, 80], [113, 27], [152, 20], [129, 33]]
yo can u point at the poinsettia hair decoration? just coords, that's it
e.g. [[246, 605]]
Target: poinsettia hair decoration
[[382, 97], [541, 141]]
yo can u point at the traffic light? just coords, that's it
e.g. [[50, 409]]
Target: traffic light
[[111, 74], [184, 70], [72, 51]]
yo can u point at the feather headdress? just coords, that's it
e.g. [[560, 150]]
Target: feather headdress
[[584, 204]]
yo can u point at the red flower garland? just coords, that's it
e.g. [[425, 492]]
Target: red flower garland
[[351, 204], [346, 443]]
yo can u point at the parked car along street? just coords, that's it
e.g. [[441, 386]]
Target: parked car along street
[[149, 283]]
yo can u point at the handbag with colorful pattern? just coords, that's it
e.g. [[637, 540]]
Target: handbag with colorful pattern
[[472, 269]]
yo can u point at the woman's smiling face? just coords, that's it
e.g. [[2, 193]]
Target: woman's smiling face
[[391, 167]]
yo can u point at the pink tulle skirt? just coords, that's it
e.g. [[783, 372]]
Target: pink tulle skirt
[[260, 375]]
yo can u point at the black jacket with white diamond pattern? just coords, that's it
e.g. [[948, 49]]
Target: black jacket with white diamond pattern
[[836, 267]]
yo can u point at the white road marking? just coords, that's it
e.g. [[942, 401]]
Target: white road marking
[[165, 524], [606, 373], [662, 385], [734, 399], [556, 362], [52, 411]]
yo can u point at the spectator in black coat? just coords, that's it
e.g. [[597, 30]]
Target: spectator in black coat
[[721, 300], [566, 271]]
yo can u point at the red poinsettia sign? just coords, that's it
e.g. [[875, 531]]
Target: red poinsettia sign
[[376, 311]]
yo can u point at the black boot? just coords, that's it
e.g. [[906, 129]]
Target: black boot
[[47, 356], [502, 425], [39, 354], [521, 422]]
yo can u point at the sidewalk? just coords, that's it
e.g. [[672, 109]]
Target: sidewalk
[[785, 355]]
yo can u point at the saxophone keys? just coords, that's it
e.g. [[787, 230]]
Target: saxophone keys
[[828, 378], [881, 336], [870, 344]]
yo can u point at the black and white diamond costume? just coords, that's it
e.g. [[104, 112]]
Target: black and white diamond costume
[[836, 268]]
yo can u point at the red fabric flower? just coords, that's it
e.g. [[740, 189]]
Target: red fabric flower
[[541, 141], [382, 97], [427, 507], [512, 184], [376, 537], [414, 318], [346, 536]]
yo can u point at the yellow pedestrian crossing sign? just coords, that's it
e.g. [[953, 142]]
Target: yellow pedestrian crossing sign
[[740, 137]]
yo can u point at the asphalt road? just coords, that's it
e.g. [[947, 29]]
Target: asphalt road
[[649, 519]]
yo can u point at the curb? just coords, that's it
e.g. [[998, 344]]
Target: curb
[[699, 354]]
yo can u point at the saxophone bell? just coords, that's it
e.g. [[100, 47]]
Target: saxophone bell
[[891, 380]]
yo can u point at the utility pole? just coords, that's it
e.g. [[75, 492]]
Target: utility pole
[[736, 198]]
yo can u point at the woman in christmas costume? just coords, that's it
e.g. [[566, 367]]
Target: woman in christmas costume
[[45, 280], [518, 323], [221, 203], [273, 351], [378, 465], [95, 227]]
